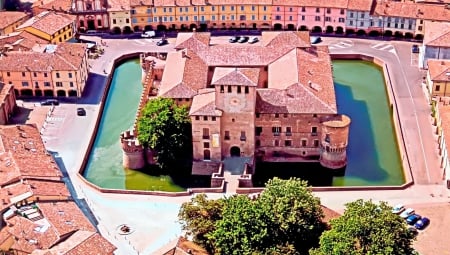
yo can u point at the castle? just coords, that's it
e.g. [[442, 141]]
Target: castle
[[273, 101]]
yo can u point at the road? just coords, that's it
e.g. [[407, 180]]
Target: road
[[153, 219]]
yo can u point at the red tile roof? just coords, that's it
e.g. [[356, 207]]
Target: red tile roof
[[181, 246], [439, 70], [235, 76], [139, 3], [56, 5], [8, 18], [48, 188], [28, 151], [413, 10], [360, 5], [21, 40], [437, 34], [94, 245], [203, 104], [49, 22], [119, 5]]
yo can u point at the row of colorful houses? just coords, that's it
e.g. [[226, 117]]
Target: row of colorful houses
[[363, 16]]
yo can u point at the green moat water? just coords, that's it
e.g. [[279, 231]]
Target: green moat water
[[373, 157]]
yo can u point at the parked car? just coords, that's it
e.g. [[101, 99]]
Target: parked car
[[81, 112], [243, 39], [234, 39], [50, 102], [406, 213], [422, 223], [413, 218], [398, 208], [148, 34], [253, 40], [316, 39], [415, 48], [162, 42]]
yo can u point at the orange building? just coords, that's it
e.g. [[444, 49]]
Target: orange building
[[9, 21]]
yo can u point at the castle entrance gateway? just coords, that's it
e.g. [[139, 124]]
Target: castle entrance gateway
[[235, 151]]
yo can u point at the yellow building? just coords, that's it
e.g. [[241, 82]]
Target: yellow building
[[119, 12], [141, 15], [9, 21], [438, 78], [50, 26], [164, 13]]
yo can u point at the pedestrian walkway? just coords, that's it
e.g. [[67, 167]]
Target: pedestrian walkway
[[341, 45], [384, 47]]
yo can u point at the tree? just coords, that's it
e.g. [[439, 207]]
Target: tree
[[295, 212], [285, 219], [366, 228], [198, 218], [165, 128]]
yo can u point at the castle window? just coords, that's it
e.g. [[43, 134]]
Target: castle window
[[314, 115], [276, 131], [313, 131], [257, 143], [288, 143], [205, 118], [327, 138], [221, 89], [213, 118], [288, 131], [285, 115], [197, 117], [303, 143], [206, 155], [227, 135], [239, 89], [243, 138], [258, 131], [205, 133], [316, 143], [257, 115], [277, 115], [229, 89], [438, 87], [246, 90], [276, 143], [206, 145]]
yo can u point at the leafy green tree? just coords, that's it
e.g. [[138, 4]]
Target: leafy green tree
[[198, 218], [295, 212], [366, 228], [165, 128]]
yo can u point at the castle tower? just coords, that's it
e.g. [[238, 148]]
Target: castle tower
[[133, 152], [334, 141]]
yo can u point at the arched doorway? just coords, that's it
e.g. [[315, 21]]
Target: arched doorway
[[361, 32], [61, 93], [206, 155], [291, 27], [192, 26], [72, 93], [48, 93], [127, 30], [317, 29], [235, 151], [116, 30], [161, 28], [339, 30], [374, 33], [38, 92], [26, 92], [137, 29], [148, 28], [277, 26], [329, 30]]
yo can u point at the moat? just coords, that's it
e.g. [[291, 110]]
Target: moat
[[373, 157]]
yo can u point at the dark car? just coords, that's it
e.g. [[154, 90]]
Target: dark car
[[162, 42], [81, 112], [422, 223], [413, 231], [316, 39], [415, 48], [50, 102], [413, 219], [243, 39], [234, 39]]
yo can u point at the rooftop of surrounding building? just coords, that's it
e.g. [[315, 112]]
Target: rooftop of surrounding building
[[9, 17], [21, 40], [310, 80], [439, 70], [48, 22], [181, 246], [413, 10], [437, 34], [55, 5], [118, 5], [66, 57]]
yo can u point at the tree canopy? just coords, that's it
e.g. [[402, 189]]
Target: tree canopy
[[366, 228], [165, 128], [285, 219]]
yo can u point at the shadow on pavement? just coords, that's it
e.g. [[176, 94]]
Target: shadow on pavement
[[92, 93], [81, 203]]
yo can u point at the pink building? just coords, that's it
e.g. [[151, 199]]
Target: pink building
[[317, 16]]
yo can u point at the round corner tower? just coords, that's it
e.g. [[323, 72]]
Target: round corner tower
[[334, 141], [133, 152]]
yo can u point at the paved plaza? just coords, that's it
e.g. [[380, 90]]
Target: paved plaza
[[153, 219]]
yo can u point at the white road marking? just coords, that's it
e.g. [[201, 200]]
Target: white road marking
[[386, 47], [379, 44]]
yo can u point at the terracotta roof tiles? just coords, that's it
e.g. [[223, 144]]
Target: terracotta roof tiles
[[49, 22], [21, 40], [360, 5], [8, 18], [56, 5], [139, 3], [235, 76], [437, 34], [204, 104], [94, 245], [413, 10], [439, 70], [119, 5]]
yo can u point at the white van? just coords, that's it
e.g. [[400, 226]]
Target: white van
[[148, 34]]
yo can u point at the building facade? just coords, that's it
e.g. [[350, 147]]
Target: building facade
[[60, 71], [438, 78], [119, 13], [9, 21], [248, 101], [435, 43], [90, 15], [141, 15]]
